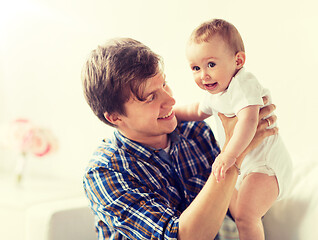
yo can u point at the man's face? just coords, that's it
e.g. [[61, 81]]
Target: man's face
[[150, 121]]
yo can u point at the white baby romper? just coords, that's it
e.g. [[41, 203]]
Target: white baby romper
[[271, 157]]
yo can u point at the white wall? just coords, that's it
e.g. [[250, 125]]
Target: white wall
[[43, 45]]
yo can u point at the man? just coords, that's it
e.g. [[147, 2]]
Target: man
[[151, 179]]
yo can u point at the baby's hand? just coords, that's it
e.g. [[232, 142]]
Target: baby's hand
[[221, 164]]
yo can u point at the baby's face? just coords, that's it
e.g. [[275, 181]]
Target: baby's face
[[213, 64]]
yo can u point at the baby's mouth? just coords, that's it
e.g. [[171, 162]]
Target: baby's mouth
[[210, 86]]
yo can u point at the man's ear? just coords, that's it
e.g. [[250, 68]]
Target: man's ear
[[113, 118], [240, 59]]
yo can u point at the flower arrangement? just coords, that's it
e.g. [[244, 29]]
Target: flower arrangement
[[27, 138]]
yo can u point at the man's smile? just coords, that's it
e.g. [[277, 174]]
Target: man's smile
[[167, 116]]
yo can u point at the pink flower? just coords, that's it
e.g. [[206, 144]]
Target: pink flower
[[26, 137]]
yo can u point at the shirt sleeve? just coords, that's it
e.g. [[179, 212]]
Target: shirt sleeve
[[128, 207], [245, 91], [205, 104]]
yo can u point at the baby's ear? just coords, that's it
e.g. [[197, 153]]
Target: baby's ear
[[240, 59]]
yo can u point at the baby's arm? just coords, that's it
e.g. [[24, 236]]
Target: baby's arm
[[243, 134], [190, 112], [244, 130]]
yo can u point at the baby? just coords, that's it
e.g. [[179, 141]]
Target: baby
[[216, 55]]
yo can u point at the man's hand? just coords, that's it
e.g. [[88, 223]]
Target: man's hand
[[261, 132]]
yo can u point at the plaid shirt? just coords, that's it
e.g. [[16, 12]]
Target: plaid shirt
[[139, 193]]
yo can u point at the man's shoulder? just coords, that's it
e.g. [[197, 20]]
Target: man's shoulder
[[193, 129], [108, 154]]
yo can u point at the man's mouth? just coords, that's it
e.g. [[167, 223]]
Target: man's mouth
[[166, 116]]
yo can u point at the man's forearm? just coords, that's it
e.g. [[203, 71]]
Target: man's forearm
[[204, 217]]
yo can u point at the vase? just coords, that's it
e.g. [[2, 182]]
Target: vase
[[20, 168]]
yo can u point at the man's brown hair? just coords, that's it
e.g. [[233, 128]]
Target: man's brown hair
[[114, 72]]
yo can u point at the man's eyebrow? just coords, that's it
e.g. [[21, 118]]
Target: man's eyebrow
[[144, 95], [148, 94], [153, 91]]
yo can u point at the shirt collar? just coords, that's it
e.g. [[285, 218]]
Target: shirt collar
[[141, 150]]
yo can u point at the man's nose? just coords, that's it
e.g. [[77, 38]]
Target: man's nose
[[168, 98]]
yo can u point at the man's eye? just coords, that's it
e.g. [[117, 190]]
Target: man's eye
[[150, 98], [195, 68], [211, 64]]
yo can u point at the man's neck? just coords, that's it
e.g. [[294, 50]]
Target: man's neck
[[153, 141]]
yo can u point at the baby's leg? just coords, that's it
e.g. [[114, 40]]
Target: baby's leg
[[256, 195]]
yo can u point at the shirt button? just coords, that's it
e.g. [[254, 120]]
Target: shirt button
[[142, 203]]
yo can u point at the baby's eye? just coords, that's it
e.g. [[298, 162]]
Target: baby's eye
[[211, 64], [195, 68]]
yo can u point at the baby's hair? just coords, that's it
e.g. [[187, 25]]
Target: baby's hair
[[207, 30]]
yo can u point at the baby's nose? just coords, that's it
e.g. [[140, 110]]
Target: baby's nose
[[204, 75]]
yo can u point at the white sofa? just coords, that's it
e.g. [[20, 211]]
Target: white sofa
[[296, 217], [60, 220], [43, 208]]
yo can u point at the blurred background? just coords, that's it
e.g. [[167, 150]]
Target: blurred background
[[44, 43]]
